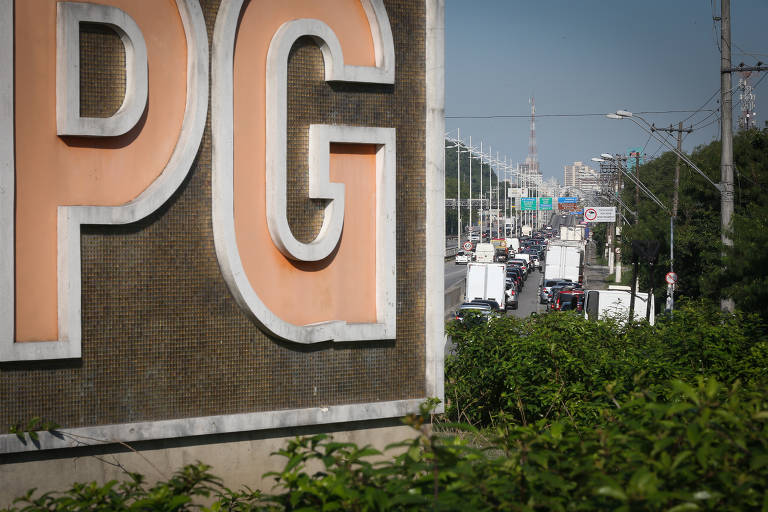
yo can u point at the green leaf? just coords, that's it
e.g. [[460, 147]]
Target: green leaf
[[680, 457], [684, 507], [687, 390], [613, 492], [556, 430]]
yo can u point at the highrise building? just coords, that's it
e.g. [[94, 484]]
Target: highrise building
[[570, 175], [581, 176]]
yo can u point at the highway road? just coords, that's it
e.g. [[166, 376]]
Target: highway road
[[454, 273], [528, 301]]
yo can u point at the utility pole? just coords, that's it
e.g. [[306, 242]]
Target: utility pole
[[637, 187], [675, 194], [726, 136]]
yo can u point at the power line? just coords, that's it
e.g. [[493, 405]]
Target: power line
[[646, 142], [595, 114], [703, 105], [715, 19], [699, 122], [754, 55]]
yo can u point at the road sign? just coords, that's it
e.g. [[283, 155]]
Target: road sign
[[467, 245], [600, 213], [671, 278], [545, 203], [527, 203], [567, 199]]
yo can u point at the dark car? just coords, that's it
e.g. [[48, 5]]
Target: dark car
[[487, 302], [512, 296], [569, 300], [478, 312], [519, 263], [555, 290], [516, 274], [546, 288]]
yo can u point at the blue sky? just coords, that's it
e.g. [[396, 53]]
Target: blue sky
[[590, 56]]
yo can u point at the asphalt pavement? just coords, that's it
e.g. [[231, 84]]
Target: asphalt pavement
[[528, 299]]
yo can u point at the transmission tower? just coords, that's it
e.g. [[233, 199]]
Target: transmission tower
[[747, 119], [533, 159]]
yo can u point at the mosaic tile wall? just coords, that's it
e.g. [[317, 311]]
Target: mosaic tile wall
[[162, 336]]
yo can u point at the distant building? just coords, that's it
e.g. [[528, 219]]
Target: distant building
[[581, 176], [570, 175]]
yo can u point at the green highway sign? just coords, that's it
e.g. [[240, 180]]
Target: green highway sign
[[545, 203], [527, 203]]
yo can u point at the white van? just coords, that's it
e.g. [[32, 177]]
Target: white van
[[484, 253], [614, 303]]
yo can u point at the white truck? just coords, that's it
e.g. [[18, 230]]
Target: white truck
[[614, 303], [486, 281], [571, 232], [513, 244], [564, 260], [484, 253]]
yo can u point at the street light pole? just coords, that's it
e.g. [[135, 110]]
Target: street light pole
[[498, 196], [481, 191], [458, 188], [490, 194], [506, 171], [470, 185]]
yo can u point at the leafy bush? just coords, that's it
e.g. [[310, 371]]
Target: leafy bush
[[562, 366], [706, 448], [576, 415], [192, 483]]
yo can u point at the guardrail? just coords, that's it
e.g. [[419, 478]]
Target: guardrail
[[450, 252], [453, 297]]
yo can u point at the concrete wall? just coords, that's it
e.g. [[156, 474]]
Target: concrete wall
[[238, 459], [454, 296]]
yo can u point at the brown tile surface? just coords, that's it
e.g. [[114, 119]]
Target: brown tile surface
[[162, 336]]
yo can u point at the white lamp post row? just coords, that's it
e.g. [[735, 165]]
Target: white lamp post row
[[492, 162]]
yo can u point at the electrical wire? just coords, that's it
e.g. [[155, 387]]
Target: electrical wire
[[753, 55], [595, 114], [646, 142], [714, 26], [698, 123], [704, 105]]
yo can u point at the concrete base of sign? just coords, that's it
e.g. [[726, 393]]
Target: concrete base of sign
[[239, 459]]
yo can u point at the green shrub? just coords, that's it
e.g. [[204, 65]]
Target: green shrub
[[704, 449], [556, 366], [576, 416]]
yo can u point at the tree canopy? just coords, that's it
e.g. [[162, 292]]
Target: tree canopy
[[703, 270]]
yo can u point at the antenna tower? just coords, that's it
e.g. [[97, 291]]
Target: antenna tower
[[533, 159], [747, 119]]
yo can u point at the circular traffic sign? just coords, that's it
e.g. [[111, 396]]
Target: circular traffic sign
[[467, 245], [671, 278], [590, 214]]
